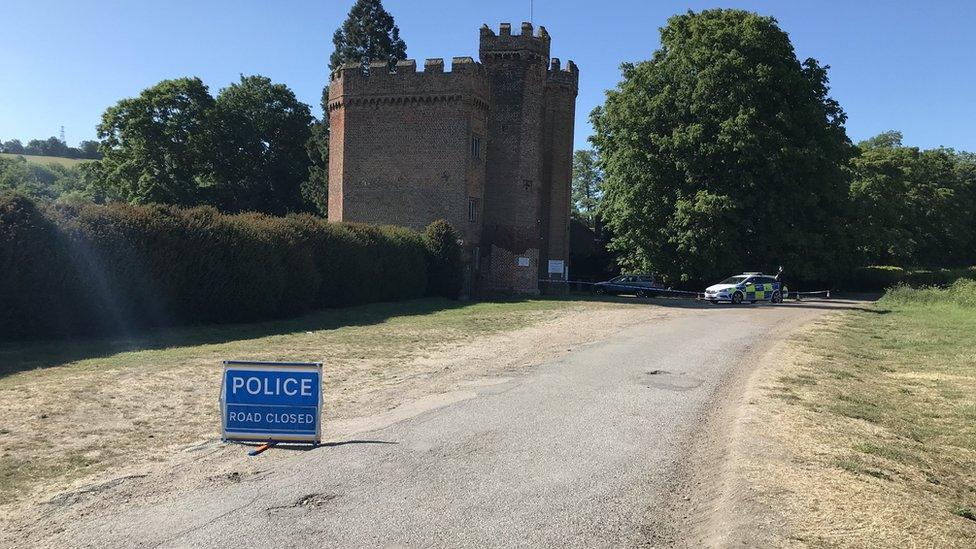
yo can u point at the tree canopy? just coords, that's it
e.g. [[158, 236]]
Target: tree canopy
[[158, 147], [913, 207], [315, 190], [262, 161], [369, 34], [176, 144], [587, 178], [724, 152]]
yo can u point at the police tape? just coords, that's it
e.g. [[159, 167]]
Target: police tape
[[698, 295], [826, 292]]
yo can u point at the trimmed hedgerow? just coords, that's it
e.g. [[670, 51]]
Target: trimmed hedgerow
[[117, 269]]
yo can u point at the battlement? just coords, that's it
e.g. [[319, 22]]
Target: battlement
[[379, 71], [465, 78], [568, 76], [505, 43]]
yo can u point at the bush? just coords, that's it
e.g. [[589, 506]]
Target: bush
[[117, 269], [445, 266], [962, 292], [880, 277]]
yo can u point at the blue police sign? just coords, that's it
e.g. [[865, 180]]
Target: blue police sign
[[272, 401]]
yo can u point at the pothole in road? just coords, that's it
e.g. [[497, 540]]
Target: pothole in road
[[310, 501], [663, 379]]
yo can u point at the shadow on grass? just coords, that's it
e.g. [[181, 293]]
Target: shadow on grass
[[20, 356]]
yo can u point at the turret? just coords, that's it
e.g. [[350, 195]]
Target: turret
[[505, 43]]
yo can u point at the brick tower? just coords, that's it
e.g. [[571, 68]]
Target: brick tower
[[487, 146], [527, 182]]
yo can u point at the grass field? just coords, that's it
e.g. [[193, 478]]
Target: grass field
[[74, 409], [885, 404], [48, 160]]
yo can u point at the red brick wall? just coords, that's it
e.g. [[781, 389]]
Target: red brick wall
[[406, 146], [517, 68]]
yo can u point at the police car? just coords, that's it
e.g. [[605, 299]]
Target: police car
[[751, 287]]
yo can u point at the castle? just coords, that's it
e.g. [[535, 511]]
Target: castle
[[487, 146]]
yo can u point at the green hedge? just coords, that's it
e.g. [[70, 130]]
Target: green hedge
[[117, 269], [880, 277], [445, 266]]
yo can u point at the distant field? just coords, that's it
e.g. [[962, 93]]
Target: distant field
[[67, 162]]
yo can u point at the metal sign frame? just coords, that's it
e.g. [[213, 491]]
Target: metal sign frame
[[259, 366]]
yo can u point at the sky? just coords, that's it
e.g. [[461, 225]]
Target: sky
[[904, 65]]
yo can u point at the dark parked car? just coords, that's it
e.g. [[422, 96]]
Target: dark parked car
[[639, 285]]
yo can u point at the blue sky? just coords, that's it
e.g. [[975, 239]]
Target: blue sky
[[894, 65]]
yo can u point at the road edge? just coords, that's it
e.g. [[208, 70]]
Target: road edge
[[716, 504]]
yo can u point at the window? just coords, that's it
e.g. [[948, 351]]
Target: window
[[476, 148], [473, 210]]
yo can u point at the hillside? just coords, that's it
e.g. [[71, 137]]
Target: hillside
[[48, 160]]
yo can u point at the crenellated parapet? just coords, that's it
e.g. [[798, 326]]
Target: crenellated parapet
[[351, 84], [564, 77], [505, 45]]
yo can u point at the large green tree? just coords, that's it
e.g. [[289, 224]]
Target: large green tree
[[587, 178], [176, 144], [369, 34], [159, 146], [724, 152], [913, 208], [262, 161]]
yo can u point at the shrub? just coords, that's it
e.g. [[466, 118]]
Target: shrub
[[116, 269], [962, 292], [444, 262], [879, 277]]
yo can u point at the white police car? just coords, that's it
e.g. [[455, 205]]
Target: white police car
[[750, 287]]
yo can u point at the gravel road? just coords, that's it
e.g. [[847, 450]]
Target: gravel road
[[589, 450]]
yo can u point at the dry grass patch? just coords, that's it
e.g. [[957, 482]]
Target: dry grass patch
[[75, 409], [878, 417]]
